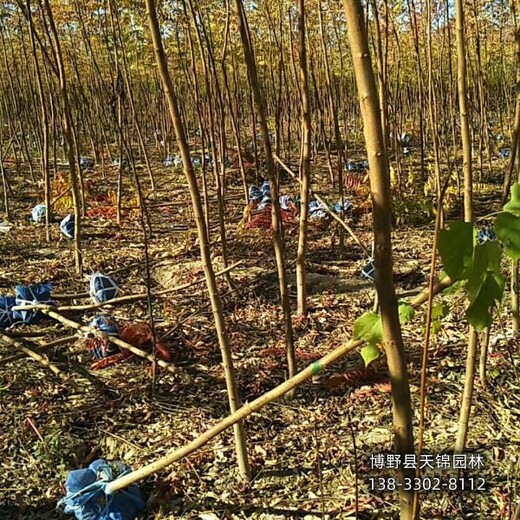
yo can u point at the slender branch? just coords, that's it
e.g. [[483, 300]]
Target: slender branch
[[34, 355], [119, 342], [122, 299], [42, 348], [240, 414]]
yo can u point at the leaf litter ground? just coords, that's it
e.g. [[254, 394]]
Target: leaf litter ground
[[302, 451]]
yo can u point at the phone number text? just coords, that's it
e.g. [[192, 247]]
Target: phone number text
[[427, 484]]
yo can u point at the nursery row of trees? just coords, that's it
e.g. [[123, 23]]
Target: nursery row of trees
[[108, 61], [277, 80]]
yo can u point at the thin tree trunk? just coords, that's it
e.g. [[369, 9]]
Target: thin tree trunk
[[216, 303], [483, 358], [215, 111], [120, 168], [515, 137], [465, 410], [463, 107], [5, 185], [515, 306], [45, 128], [381, 197], [232, 112], [271, 172], [381, 67], [337, 133], [467, 396], [432, 105], [69, 138], [305, 168], [452, 95]]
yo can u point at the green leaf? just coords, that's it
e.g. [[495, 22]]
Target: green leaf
[[492, 290], [436, 327], [456, 249], [507, 227], [454, 288], [406, 312], [440, 310], [479, 316], [485, 260], [369, 327], [492, 252], [513, 206], [369, 353]]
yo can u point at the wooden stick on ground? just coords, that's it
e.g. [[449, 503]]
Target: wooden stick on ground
[[119, 342], [26, 334], [438, 287], [230, 420], [325, 207], [42, 348], [34, 355], [122, 299], [247, 409], [77, 296]]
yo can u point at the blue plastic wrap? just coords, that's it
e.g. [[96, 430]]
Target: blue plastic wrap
[[38, 213], [102, 288], [31, 295], [67, 226], [6, 315], [87, 497]]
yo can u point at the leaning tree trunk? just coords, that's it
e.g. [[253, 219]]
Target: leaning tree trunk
[[381, 200], [216, 303]]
